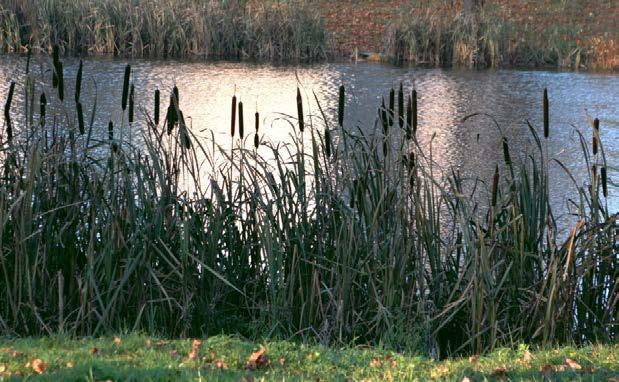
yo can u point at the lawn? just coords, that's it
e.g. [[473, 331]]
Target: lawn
[[224, 358]]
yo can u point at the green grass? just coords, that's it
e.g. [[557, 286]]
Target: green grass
[[225, 358]]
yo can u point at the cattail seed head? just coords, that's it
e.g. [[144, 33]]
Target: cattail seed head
[[78, 82], [391, 106], [60, 82], [42, 105], [340, 108], [7, 109], [131, 103], [300, 110], [110, 131], [604, 181], [596, 132], [125, 93], [506, 156], [157, 105], [409, 118], [176, 95], [328, 143], [546, 115], [233, 120], [256, 137], [241, 121]]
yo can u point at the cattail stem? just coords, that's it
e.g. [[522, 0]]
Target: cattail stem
[[126, 87]]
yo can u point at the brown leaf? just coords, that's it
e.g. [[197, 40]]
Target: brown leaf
[[94, 351], [613, 379], [116, 340], [38, 366], [546, 371], [258, 359], [573, 364], [376, 362], [528, 357], [69, 365], [474, 359], [499, 372]]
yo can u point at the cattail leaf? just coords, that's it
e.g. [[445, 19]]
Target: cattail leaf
[[78, 82], [80, 118], [125, 93]]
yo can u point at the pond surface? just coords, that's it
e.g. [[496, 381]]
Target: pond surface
[[511, 97]]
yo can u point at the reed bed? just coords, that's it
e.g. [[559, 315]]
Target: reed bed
[[442, 35], [237, 29], [342, 237]]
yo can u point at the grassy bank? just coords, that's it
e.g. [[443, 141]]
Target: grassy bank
[[261, 30], [345, 236], [528, 34], [223, 358]]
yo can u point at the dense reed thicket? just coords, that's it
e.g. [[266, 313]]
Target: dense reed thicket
[[237, 29], [343, 236], [440, 36]]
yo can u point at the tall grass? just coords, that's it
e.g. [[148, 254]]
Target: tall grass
[[358, 238], [441, 35], [238, 29]]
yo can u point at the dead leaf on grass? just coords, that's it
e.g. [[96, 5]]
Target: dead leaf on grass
[[69, 365], [528, 357], [499, 372], [573, 364], [474, 359], [38, 366], [258, 359], [116, 340], [376, 362], [95, 351]]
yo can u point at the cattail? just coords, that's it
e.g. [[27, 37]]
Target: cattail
[[131, 103], [157, 101], [183, 131], [42, 104], [506, 156], [604, 182], [328, 142], [596, 132], [55, 54], [546, 117], [495, 186], [391, 106], [7, 108], [28, 57], [60, 82], [414, 112], [340, 108], [171, 116], [176, 96], [233, 122], [78, 83], [401, 106], [256, 137], [80, 117], [54, 78], [126, 87], [411, 168], [409, 118], [110, 131], [241, 121], [300, 110]]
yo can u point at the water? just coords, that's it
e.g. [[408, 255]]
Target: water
[[511, 97]]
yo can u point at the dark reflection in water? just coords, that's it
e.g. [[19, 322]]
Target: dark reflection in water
[[445, 96]]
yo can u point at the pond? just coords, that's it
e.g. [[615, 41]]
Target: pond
[[511, 97]]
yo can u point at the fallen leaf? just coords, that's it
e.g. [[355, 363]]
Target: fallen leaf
[[38, 366], [258, 359], [499, 372], [573, 364], [69, 365], [474, 359], [94, 351], [528, 357], [613, 379], [116, 340], [546, 371], [376, 362]]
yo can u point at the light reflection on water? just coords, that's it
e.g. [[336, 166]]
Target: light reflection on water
[[445, 97]]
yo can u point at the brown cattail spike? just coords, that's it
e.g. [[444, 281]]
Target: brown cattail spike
[[131, 103], [125, 93], [300, 110], [233, 119], [401, 106], [80, 118], [596, 132], [42, 105], [340, 108], [241, 121], [414, 96], [157, 105], [546, 115], [391, 106], [256, 137], [78, 83], [7, 109], [604, 182]]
